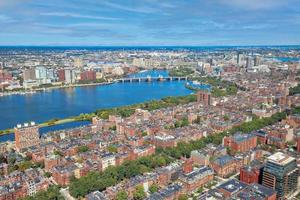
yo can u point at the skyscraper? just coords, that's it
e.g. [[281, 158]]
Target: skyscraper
[[281, 174], [240, 58], [298, 142], [70, 76], [29, 74], [257, 61], [249, 63], [204, 98]]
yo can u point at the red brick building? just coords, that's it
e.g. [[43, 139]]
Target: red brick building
[[61, 75], [240, 142], [196, 178], [5, 76], [224, 165], [62, 175], [204, 98], [298, 142], [187, 166], [88, 76], [251, 174], [26, 136], [164, 141]]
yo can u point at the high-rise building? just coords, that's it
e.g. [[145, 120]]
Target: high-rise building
[[29, 74], [40, 73], [50, 74], [88, 75], [281, 174], [249, 63], [257, 61], [61, 75], [5, 76], [26, 136], [298, 142], [240, 58], [204, 97], [70, 76]]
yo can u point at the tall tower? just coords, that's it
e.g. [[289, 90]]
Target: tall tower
[[239, 59], [204, 97], [257, 61], [281, 174], [26, 136], [249, 63], [298, 142]]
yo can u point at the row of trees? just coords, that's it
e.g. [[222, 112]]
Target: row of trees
[[126, 111], [115, 174]]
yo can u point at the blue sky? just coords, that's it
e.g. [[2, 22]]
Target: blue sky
[[149, 22]]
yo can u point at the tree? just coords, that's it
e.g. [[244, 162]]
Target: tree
[[183, 197], [112, 149], [121, 195], [48, 174], [2, 158], [139, 193], [226, 117], [153, 188], [83, 149], [25, 165], [58, 153]]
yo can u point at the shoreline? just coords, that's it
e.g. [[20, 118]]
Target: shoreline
[[33, 91], [77, 118], [54, 122], [44, 124]]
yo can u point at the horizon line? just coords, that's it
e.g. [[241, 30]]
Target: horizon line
[[247, 45]]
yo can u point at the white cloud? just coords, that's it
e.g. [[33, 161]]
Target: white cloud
[[74, 15], [255, 4], [138, 9], [7, 3], [6, 19]]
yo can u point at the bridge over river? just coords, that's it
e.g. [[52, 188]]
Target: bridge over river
[[149, 79]]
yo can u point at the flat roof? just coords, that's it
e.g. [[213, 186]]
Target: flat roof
[[280, 158]]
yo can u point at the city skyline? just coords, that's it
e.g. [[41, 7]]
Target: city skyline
[[149, 22]]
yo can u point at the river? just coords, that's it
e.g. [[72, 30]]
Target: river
[[62, 103]]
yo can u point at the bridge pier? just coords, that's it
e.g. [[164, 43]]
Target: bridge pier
[[149, 79]]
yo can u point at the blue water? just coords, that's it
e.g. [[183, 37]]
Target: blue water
[[62, 103], [287, 59], [44, 130]]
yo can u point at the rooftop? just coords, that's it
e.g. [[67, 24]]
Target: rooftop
[[232, 186], [242, 137], [223, 160], [280, 158]]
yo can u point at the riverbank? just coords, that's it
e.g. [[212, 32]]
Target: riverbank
[[123, 111], [34, 90], [44, 124]]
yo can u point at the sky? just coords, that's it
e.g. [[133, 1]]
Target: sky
[[149, 22]]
